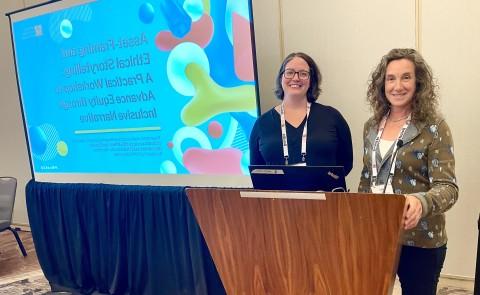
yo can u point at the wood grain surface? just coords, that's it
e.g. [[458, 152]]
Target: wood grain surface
[[12, 262], [346, 244]]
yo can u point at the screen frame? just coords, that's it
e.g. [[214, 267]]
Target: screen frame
[[195, 180]]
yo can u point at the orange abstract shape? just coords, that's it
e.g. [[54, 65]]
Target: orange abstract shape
[[242, 48], [201, 33], [221, 161]]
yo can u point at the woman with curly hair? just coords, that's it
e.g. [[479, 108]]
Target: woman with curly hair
[[408, 149]]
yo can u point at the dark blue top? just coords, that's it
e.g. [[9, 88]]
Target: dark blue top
[[329, 142]]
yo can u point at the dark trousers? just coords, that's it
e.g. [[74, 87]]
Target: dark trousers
[[419, 269]]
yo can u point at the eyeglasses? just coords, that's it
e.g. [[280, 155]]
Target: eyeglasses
[[302, 75]]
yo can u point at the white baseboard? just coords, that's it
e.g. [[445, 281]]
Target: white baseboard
[[455, 277], [22, 227]]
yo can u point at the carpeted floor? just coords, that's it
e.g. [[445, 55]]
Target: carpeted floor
[[34, 285], [22, 275], [454, 291], [445, 287]]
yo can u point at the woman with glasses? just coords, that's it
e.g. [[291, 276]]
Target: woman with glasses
[[408, 149], [300, 131]]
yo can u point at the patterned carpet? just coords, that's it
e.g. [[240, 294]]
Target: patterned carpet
[[38, 285], [454, 291]]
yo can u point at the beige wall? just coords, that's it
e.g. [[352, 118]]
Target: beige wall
[[267, 42], [13, 155], [347, 39], [450, 41]]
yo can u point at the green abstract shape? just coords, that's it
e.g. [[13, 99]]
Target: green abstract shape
[[62, 148], [206, 6], [211, 99]]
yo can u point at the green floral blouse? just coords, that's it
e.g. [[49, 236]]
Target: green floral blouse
[[425, 168]]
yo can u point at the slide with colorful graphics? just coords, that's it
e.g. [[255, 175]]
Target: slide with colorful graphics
[[148, 87]]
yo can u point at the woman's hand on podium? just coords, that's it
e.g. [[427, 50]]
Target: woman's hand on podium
[[412, 212]]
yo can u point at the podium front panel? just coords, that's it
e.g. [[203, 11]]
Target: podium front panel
[[343, 243]]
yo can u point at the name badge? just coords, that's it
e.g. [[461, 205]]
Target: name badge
[[378, 189]]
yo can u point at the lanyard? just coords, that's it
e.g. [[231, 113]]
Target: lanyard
[[376, 143], [284, 134]]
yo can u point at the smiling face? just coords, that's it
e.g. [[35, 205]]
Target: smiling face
[[400, 84], [296, 86]]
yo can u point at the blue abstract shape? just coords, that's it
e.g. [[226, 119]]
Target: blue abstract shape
[[81, 13], [51, 139], [185, 133], [245, 120], [181, 56], [222, 68], [194, 8], [146, 12], [178, 21], [229, 134], [168, 167], [238, 7], [245, 162], [38, 140], [66, 28]]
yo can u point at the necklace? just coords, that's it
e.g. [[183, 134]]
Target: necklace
[[398, 120]]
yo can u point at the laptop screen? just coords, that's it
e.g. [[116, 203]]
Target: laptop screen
[[298, 178]]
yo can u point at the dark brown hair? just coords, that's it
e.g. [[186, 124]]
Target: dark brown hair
[[315, 77]]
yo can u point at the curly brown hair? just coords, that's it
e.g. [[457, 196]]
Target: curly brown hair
[[425, 99]]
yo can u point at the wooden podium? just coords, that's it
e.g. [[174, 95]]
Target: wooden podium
[[278, 243]]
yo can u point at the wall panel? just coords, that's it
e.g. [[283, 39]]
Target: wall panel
[[13, 155], [347, 38], [450, 42]]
